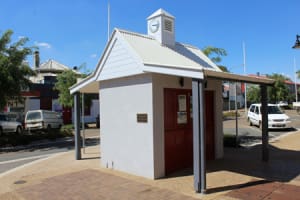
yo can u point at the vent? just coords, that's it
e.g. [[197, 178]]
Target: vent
[[168, 25]]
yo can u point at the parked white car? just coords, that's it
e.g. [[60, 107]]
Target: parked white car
[[276, 118], [42, 120], [8, 123], [282, 104]]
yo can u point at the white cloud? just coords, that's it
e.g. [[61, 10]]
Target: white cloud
[[43, 44], [93, 55]]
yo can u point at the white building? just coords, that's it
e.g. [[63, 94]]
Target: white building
[[160, 100]]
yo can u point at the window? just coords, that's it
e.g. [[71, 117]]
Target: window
[[256, 110], [252, 108]]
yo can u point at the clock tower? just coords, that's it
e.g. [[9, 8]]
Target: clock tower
[[161, 27]]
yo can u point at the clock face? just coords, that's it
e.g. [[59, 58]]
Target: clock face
[[154, 25]]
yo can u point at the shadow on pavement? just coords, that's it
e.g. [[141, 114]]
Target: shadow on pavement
[[283, 165]]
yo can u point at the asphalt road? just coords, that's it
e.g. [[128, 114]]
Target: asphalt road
[[15, 159], [250, 135]]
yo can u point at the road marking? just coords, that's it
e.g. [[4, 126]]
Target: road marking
[[27, 158], [31, 163]]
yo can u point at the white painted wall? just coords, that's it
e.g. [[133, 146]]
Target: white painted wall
[[120, 62], [127, 145], [95, 108], [216, 85]]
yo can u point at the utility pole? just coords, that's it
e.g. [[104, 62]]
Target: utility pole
[[108, 21], [245, 85]]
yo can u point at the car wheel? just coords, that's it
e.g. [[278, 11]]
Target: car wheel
[[250, 123], [259, 124], [19, 130]]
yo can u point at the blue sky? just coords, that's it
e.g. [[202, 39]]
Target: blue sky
[[74, 32]]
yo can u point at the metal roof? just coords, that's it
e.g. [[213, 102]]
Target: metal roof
[[180, 60], [160, 12], [154, 53]]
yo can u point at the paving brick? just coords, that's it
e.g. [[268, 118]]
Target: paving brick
[[94, 184]]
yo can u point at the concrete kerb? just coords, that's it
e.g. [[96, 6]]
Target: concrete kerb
[[38, 144], [42, 144]]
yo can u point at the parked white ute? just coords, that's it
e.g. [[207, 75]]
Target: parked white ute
[[42, 120], [276, 118]]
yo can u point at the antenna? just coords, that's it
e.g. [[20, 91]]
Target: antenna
[[108, 20]]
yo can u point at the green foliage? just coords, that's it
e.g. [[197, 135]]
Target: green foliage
[[64, 81], [13, 71], [215, 54], [298, 73], [209, 51], [223, 68], [230, 114], [253, 94], [279, 92]]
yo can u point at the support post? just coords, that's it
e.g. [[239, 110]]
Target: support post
[[83, 123], [77, 125], [198, 136], [264, 123], [236, 116]]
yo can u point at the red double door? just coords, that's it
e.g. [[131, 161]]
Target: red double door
[[178, 123]]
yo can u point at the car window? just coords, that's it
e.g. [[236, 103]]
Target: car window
[[274, 110], [252, 108], [256, 110], [33, 116], [2, 118]]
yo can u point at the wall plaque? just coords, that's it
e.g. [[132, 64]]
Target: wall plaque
[[142, 117]]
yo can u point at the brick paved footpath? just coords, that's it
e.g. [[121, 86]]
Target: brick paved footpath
[[267, 191], [92, 185]]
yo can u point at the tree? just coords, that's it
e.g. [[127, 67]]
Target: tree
[[223, 68], [253, 94], [279, 92], [215, 54], [14, 72], [298, 73], [209, 51], [64, 81]]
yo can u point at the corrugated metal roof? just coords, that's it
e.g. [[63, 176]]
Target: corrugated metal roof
[[52, 65], [152, 52]]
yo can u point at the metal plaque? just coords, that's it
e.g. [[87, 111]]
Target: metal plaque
[[142, 117]]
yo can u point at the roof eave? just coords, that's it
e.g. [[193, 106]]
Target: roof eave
[[237, 77]]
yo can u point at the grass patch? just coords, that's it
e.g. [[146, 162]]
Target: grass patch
[[230, 141], [230, 114], [12, 139]]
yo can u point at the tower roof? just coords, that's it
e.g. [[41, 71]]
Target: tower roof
[[160, 12]]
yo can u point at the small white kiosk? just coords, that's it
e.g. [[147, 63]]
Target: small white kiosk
[[161, 103]]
